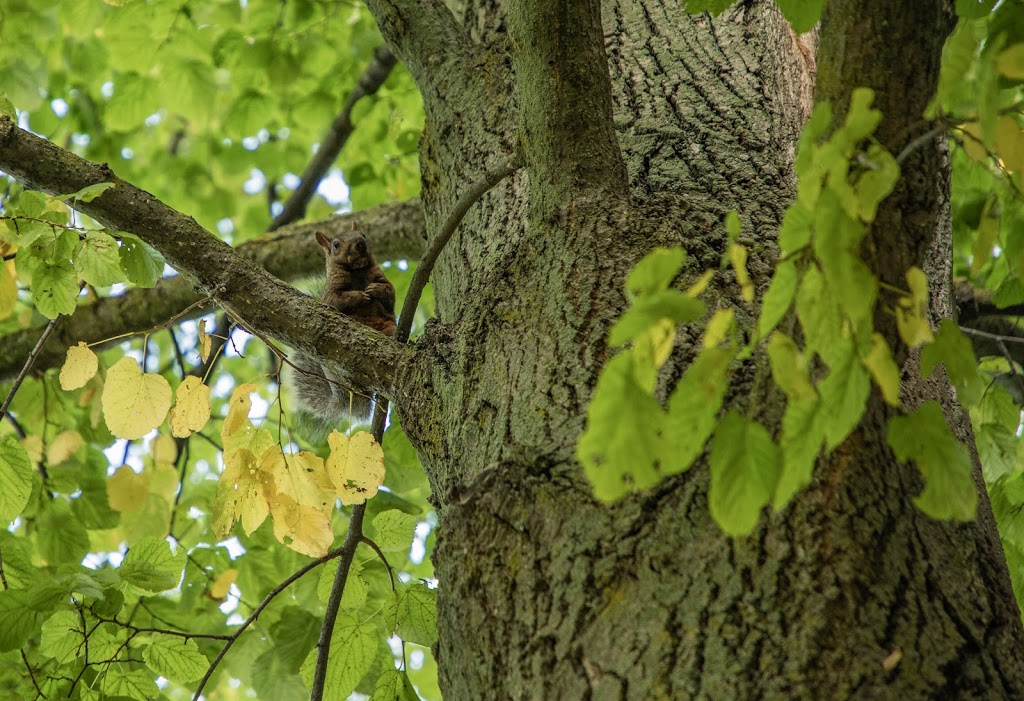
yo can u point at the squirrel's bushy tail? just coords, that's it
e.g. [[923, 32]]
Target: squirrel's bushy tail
[[323, 405]]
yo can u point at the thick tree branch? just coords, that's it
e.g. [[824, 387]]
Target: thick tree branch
[[361, 357], [394, 231], [330, 146], [425, 37], [974, 304], [565, 97]]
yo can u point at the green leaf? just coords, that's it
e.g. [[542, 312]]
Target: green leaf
[[618, 448], [802, 15], [356, 587], [655, 271], [648, 310], [875, 183], [924, 437], [819, 316], [693, 410], [176, 658], [15, 478], [836, 243], [249, 114], [98, 260], [883, 369], [778, 298], [732, 226], [353, 650], [954, 350], [973, 9], [133, 682], [412, 613], [87, 193], [60, 537], [844, 394], [861, 121], [394, 685], [19, 620], [150, 567], [803, 432], [789, 367], [395, 530], [55, 289], [140, 262], [745, 465], [795, 232], [1009, 293], [62, 636], [135, 98]]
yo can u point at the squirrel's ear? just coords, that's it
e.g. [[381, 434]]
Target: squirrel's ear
[[323, 241]]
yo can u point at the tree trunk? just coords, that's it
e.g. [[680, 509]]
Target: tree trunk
[[545, 593]]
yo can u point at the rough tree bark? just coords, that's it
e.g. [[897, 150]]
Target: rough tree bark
[[640, 126], [851, 592]]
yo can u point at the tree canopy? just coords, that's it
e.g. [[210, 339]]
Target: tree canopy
[[171, 532]]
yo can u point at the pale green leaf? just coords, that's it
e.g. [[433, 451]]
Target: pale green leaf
[[745, 465], [140, 262], [98, 260], [353, 650], [778, 299], [883, 369], [789, 367], [394, 685], [618, 448], [693, 410], [176, 658], [395, 530], [54, 288], [844, 394], [130, 681], [62, 636], [924, 437], [15, 478], [412, 613], [150, 566], [655, 271], [803, 432], [801, 14]]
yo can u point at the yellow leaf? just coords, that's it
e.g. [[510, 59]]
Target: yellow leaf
[[164, 450], [718, 328], [8, 289], [79, 368], [738, 259], [33, 445], [697, 288], [163, 481], [238, 411], [134, 403], [356, 466], [302, 528], [652, 350], [303, 478], [882, 367], [245, 489], [1011, 62], [1010, 144], [789, 368], [912, 311], [205, 343], [220, 586], [63, 447], [127, 490], [973, 144], [191, 408]]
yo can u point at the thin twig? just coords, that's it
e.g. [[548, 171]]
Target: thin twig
[[412, 299], [919, 142], [991, 336], [28, 366], [426, 264], [335, 138], [380, 554], [258, 610]]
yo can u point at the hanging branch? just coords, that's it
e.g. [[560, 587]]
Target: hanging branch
[[335, 138], [355, 526]]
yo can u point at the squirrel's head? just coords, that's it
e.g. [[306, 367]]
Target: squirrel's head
[[349, 250]]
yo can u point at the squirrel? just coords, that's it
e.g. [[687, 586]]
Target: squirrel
[[356, 287]]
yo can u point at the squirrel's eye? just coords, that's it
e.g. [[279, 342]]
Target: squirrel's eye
[[336, 245]]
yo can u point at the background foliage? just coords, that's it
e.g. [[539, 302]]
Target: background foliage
[[115, 582]]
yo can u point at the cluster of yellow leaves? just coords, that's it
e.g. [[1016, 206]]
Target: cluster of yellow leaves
[[298, 489], [136, 402]]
